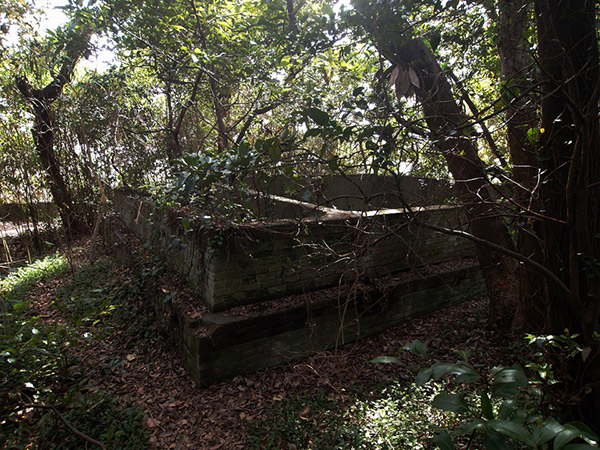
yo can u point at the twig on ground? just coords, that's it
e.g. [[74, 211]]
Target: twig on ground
[[74, 430]]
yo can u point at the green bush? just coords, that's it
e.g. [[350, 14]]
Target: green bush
[[502, 409]]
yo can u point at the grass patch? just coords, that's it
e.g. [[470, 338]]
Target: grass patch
[[17, 285]]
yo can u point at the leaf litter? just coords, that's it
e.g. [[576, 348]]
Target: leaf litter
[[136, 364]]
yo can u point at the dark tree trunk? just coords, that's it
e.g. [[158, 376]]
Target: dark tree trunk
[[516, 65], [570, 155], [172, 137], [41, 101], [451, 132], [291, 15], [43, 135]]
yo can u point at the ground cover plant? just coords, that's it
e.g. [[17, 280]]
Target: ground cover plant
[[99, 361], [46, 400], [391, 416], [450, 405]]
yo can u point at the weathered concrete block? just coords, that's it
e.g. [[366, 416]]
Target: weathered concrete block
[[217, 346], [254, 261], [229, 346]]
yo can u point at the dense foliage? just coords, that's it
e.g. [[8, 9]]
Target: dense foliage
[[44, 394]]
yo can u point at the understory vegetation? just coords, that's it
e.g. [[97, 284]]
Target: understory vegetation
[[396, 416], [47, 402], [504, 409], [52, 397]]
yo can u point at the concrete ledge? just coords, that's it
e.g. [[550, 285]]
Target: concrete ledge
[[252, 262], [221, 348], [218, 346]]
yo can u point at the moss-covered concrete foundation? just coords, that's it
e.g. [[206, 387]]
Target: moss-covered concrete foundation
[[256, 262]]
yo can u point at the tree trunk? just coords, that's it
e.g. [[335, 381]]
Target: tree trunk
[[44, 125], [569, 153], [291, 15], [516, 64], [569, 60], [451, 132], [43, 135]]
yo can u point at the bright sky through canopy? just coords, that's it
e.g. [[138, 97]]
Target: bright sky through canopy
[[100, 60]]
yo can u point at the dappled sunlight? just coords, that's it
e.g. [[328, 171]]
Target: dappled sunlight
[[15, 286], [402, 418]]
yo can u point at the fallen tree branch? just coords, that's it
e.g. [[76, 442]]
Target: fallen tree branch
[[74, 430]]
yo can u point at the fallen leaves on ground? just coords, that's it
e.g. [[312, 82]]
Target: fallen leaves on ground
[[145, 370]]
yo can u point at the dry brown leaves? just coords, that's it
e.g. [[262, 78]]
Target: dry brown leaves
[[179, 415]]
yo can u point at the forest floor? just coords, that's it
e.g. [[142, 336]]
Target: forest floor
[[133, 361]]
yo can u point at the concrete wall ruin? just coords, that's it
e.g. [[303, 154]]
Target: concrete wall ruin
[[314, 247], [250, 262]]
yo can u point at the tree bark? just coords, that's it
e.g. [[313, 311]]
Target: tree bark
[[569, 153], [43, 135], [451, 132], [44, 125], [516, 64], [291, 15]]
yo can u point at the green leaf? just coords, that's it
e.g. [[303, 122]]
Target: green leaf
[[385, 360], [441, 369], [494, 441], [507, 409], [272, 147], [476, 424], [185, 222], [320, 117], [189, 185], [450, 402], [564, 437], [465, 374], [508, 381], [333, 164], [512, 430], [243, 148], [443, 441], [486, 406], [312, 132], [533, 135], [275, 152], [416, 347], [424, 376], [546, 431], [434, 40], [584, 431]]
